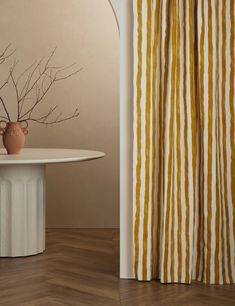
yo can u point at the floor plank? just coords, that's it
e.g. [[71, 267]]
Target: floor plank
[[81, 267]]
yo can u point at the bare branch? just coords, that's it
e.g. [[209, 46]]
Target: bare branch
[[43, 83], [44, 92], [68, 76], [39, 99], [38, 91], [26, 86], [4, 55], [6, 82], [3, 117], [55, 67], [29, 89], [4, 106], [16, 89], [57, 120], [10, 73], [65, 68], [23, 73], [45, 117], [5, 50], [50, 57]]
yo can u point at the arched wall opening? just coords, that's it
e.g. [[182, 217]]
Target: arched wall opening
[[85, 32]]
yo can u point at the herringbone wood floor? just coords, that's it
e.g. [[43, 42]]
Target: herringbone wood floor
[[80, 267]]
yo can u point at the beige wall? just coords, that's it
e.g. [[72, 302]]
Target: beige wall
[[85, 31]]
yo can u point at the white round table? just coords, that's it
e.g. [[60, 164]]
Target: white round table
[[22, 197]]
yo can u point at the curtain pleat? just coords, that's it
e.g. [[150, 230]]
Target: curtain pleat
[[184, 141]]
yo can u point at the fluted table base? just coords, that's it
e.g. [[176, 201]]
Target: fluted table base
[[22, 210]]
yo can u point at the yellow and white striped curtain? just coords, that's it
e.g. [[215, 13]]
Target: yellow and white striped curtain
[[184, 141]]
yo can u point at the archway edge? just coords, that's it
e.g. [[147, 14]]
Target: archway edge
[[123, 12], [115, 4]]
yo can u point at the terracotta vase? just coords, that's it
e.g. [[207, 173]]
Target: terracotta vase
[[13, 134]]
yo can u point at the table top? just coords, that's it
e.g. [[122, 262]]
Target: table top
[[48, 156]]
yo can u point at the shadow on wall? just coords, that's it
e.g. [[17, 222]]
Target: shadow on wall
[[84, 194]]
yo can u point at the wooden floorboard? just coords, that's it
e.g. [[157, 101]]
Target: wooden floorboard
[[81, 267]]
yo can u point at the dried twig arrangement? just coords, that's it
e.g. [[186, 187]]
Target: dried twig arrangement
[[32, 85]]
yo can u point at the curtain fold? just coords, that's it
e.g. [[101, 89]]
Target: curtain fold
[[184, 141]]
